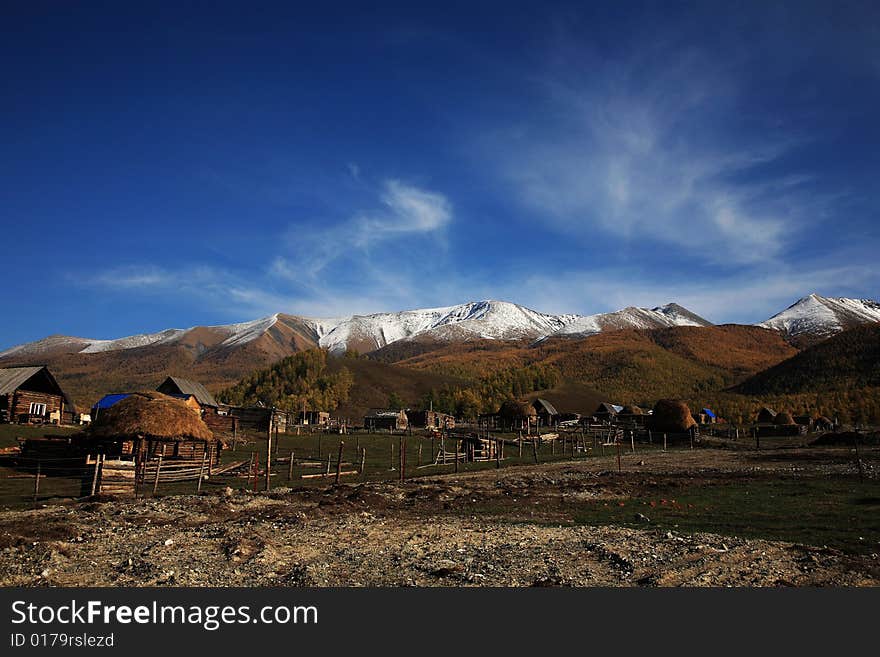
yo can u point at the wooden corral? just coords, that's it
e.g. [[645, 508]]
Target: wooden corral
[[31, 395]]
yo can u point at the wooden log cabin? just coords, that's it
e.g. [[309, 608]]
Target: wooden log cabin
[[31, 395], [390, 420], [175, 386], [431, 419]]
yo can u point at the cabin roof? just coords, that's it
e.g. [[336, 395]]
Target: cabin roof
[[13, 378], [547, 406], [187, 387]]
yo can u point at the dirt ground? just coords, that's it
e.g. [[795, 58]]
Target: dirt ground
[[510, 527]]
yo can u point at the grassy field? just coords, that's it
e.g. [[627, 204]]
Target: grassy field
[[9, 433], [773, 502], [838, 512]]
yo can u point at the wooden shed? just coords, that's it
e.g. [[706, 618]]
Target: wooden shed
[[546, 413], [386, 419], [31, 395], [605, 411], [431, 419]]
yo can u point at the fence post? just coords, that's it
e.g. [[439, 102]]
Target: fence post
[[339, 461], [156, 479], [419, 458], [37, 482], [535, 449], [664, 442], [95, 473], [269, 451], [363, 459], [202, 471], [290, 467], [632, 440], [497, 452], [457, 442], [403, 460]]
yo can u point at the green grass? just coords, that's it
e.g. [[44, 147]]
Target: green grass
[[9, 433], [839, 512]]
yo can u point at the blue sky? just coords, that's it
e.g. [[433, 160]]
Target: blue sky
[[166, 166]]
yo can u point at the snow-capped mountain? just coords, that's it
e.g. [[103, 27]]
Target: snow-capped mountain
[[495, 320], [663, 316], [811, 318], [819, 317]]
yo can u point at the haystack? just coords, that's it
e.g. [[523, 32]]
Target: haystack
[[513, 410], [632, 409], [783, 417], [151, 415], [672, 415]]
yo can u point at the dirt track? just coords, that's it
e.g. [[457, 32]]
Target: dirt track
[[420, 533]]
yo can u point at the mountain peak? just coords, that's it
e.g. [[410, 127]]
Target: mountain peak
[[819, 317]]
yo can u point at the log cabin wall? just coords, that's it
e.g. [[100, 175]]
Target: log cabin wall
[[22, 400]]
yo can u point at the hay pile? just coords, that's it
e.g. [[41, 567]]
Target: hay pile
[[151, 415], [516, 410], [632, 409], [672, 415], [784, 418]]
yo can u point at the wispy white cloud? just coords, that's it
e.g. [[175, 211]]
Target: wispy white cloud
[[652, 148], [336, 269], [323, 254]]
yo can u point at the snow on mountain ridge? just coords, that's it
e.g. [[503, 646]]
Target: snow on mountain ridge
[[490, 319], [822, 316]]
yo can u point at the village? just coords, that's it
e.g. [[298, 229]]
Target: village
[[179, 439]]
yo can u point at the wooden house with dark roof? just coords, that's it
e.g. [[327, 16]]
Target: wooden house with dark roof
[[175, 386], [547, 414], [31, 395]]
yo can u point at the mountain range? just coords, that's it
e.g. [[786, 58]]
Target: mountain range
[[667, 350], [811, 318]]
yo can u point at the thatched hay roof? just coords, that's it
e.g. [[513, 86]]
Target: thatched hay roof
[[151, 415], [784, 417], [672, 415], [512, 409], [632, 409]]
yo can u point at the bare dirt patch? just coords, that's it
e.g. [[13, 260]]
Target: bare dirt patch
[[564, 524]]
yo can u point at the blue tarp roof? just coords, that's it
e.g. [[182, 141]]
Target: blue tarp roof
[[108, 400], [708, 412]]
